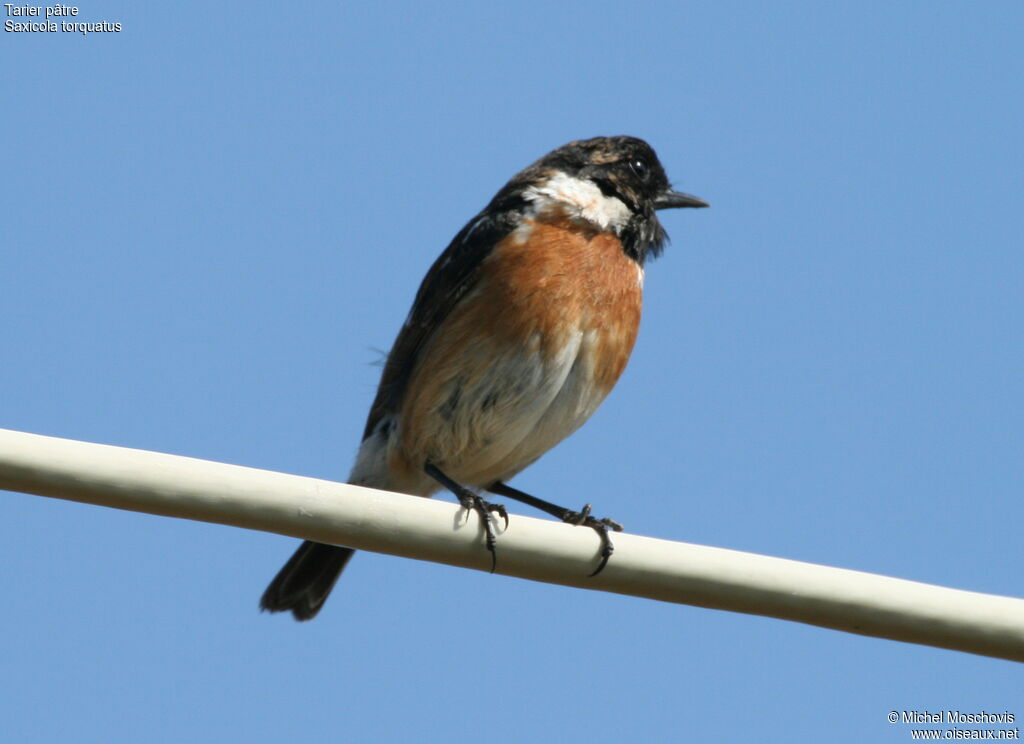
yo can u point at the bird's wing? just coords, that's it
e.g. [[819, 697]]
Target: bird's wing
[[453, 275]]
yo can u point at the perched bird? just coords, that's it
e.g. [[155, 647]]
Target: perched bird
[[518, 332]]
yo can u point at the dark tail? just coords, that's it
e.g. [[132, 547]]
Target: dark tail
[[305, 581]]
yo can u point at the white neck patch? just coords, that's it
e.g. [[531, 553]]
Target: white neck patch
[[579, 200]]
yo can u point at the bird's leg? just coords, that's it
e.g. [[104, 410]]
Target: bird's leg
[[470, 500], [582, 517]]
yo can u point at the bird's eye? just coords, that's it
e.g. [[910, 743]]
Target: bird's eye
[[640, 167]]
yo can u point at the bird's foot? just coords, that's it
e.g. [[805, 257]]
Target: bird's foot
[[583, 518], [472, 501]]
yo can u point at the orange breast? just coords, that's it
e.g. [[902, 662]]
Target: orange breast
[[551, 278], [555, 307]]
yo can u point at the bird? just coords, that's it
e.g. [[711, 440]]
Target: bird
[[518, 332]]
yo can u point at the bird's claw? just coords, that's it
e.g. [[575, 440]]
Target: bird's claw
[[473, 502], [582, 518]]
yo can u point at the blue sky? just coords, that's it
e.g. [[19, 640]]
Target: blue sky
[[216, 218]]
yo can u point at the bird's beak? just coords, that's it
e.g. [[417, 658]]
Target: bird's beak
[[673, 199]]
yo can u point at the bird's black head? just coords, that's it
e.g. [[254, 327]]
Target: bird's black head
[[614, 183]]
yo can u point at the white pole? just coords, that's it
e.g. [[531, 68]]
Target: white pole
[[542, 550]]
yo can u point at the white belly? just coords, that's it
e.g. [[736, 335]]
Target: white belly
[[491, 429]]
